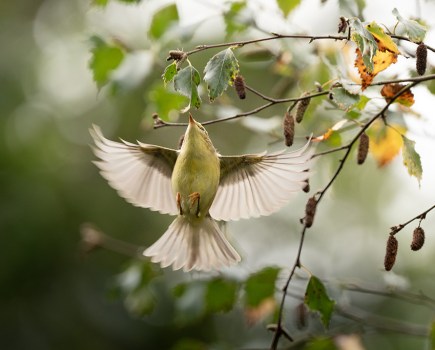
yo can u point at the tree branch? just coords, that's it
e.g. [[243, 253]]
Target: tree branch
[[420, 217]]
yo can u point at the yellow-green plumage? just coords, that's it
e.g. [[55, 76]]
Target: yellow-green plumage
[[197, 169], [199, 186]]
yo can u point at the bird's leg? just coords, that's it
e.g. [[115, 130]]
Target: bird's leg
[[194, 197], [178, 199]]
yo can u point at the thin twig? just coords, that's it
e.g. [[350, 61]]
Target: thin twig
[[420, 216], [311, 38]]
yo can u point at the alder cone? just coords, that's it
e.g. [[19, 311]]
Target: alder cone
[[391, 252], [301, 107], [417, 239], [310, 211], [421, 59], [288, 126], [363, 148], [239, 86]]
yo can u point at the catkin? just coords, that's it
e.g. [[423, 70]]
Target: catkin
[[301, 107], [239, 86], [421, 59], [310, 211], [391, 252], [417, 239], [176, 55], [363, 148], [288, 125], [301, 314]]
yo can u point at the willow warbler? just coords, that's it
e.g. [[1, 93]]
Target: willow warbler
[[199, 186]]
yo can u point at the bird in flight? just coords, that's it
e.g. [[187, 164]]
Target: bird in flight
[[200, 186]]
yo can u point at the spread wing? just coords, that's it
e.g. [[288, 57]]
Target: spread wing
[[254, 185], [140, 173]]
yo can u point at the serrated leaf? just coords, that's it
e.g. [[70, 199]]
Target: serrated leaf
[[411, 159], [162, 20], [317, 299], [105, 59], [186, 83], [286, 6], [220, 295], [260, 285], [344, 100], [415, 31], [170, 72], [220, 72], [365, 41], [405, 98], [383, 40]]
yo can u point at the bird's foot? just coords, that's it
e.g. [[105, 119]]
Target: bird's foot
[[194, 200], [178, 199]]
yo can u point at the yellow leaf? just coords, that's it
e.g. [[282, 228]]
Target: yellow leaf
[[382, 60], [337, 126], [386, 54], [384, 41], [385, 142]]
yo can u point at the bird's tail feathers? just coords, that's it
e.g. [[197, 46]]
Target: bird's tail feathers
[[193, 246]]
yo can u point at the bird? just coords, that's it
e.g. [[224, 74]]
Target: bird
[[200, 187]]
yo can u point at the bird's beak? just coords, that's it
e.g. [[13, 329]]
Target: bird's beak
[[191, 120]]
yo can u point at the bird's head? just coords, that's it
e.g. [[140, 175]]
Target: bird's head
[[196, 136]]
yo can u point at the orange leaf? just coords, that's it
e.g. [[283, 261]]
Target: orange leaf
[[330, 131], [390, 90], [385, 142], [382, 60]]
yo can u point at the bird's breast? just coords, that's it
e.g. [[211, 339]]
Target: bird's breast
[[192, 174]]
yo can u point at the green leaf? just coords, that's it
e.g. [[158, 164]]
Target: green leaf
[[344, 100], [162, 20], [286, 6], [317, 299], [361, 104], [170, 72], [365, 42], [134, 284], [220, 72], [105, 59], [186, 83], [166, 102], [232, 22], [411, 159], [260, 286], [220, 295], [101, 3], [415, 31], [321, 343]]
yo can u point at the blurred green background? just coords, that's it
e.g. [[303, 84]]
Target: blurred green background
[[54, 295]]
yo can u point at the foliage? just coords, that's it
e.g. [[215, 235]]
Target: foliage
[[359, 82]]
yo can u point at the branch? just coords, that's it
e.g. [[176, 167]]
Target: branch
[[274, 36], [420, 217], [320, 195], [159, 123]]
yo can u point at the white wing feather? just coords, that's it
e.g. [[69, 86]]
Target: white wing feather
[[140, 173], [255, 185]]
